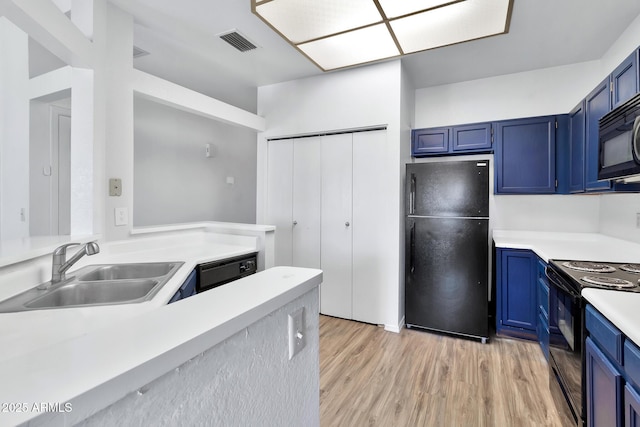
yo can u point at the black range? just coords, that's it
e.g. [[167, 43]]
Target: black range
[[566, 306]]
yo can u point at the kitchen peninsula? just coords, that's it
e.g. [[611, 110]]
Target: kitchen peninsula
[[193, 361]]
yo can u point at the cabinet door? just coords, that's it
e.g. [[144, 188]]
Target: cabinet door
[[624, 80], [597, 104], [631, 407], [429, 141], [373, 234], [307, 183], [576, 149], [471, 137], [280, 197], [526, 156], [604, 389], [336, 251], [517, 290]]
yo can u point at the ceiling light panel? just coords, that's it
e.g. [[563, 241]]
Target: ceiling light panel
[[352, 48], [459, 22], [395, 8], [304, 20]]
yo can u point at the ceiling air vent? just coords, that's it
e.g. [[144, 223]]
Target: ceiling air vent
[[237, 40], [137, 52]]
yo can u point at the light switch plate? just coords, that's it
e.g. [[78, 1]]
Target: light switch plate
[[297, 337], [115, 187]]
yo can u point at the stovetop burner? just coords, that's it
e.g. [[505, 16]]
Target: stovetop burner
[[608, 282], [589, 267], [631, 268], [578, 275]]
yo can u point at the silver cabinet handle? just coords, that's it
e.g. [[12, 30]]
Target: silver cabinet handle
[[347, 224], [295, 222]]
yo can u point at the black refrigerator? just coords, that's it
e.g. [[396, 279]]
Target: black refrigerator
[[447, 247]]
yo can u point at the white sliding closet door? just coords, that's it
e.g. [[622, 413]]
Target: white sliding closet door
[[280, 197], [371, 224], [336, 237], [307, 183]]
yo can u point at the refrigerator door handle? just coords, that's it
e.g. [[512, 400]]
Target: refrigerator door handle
[[412, 195], [412, 247]]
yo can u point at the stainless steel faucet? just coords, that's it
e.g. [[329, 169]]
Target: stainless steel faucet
[[60, 264]]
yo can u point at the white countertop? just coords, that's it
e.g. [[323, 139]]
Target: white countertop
[[30, 330], [93, 356], [621, 308], [96, 369], [569, 246]]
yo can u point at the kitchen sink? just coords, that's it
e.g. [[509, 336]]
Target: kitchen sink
[[96, 285], [91, 293], [128, 271]]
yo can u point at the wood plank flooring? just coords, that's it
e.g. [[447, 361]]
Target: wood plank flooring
[[371, 377]]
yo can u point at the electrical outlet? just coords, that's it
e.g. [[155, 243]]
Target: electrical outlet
[[297, 338], [121, 216]]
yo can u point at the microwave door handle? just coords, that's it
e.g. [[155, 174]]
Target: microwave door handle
[[635, 139]]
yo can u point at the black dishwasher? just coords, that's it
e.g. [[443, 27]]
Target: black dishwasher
[[216, 273]]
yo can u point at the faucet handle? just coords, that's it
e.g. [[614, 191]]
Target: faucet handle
[[62, 249]]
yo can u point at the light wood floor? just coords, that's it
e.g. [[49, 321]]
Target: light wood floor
[[371, 377]]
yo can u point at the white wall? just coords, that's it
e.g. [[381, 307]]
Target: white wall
[[407, 114], [347, 99], [14, 132], [118, 157], [174, 181], [262, 387], [533, 93]]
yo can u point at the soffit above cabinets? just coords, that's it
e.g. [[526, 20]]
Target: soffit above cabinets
[[337, 34]]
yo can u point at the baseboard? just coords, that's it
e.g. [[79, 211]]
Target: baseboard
[[395, 328]]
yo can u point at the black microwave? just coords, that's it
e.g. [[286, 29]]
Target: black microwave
[[619, 141]]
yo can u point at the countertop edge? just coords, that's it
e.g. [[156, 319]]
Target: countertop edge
[[89, 394]]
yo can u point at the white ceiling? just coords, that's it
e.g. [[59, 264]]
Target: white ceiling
[[183, 44]]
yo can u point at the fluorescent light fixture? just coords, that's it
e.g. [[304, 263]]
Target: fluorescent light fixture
[[343, 33], [397, 8], [355, 47], [304, 20], [456, 23]]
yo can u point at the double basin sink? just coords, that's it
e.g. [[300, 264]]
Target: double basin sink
[[96, 285]]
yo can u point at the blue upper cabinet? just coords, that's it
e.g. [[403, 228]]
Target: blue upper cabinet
[[597, 104], [576, 149], [429, 141], [472, 137], [624, 80], [525, 154]]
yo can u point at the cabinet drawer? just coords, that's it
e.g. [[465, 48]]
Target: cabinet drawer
[[632, 362], [604, 333]]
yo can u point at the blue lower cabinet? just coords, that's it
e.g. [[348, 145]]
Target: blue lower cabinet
[[516, 303], [543, 336], [631, 407], [187, 289], [604, 389]]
